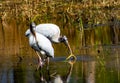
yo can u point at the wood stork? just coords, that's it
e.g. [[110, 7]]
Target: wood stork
[[40, 44], [52, 32]]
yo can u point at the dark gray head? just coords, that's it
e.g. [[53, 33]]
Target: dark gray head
[[63, 39]]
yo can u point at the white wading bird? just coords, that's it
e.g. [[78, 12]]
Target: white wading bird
[[40, 44], [52, 32]]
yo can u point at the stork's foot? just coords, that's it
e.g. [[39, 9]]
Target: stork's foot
[[72, 58]]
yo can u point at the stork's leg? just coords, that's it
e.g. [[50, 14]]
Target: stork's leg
[[47, 67], [40, 62], [47, 62]]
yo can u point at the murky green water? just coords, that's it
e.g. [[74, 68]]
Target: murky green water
[[88, 69], [96, 62]]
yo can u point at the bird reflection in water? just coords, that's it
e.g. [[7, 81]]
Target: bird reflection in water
[[47, 77], [64, 79]]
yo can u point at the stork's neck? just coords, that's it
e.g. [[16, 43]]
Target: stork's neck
[[32, 25], [32, 31]]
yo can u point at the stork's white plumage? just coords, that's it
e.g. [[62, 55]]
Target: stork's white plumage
[[51, 31], [40, 43], [44, 45]]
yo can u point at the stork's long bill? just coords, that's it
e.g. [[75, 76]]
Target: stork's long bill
[[70, 50], [67, 43], [65, 40]]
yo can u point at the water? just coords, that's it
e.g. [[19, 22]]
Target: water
[[100, 68], [97, 58]]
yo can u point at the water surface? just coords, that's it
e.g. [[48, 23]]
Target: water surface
[[100, 68]]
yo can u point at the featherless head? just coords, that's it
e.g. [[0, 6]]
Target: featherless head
[[63, 39]]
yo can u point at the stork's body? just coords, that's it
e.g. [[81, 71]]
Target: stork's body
[[40, 44], [51, 31]]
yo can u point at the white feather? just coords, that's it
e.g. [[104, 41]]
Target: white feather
[[45, 46], [51, 31]]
